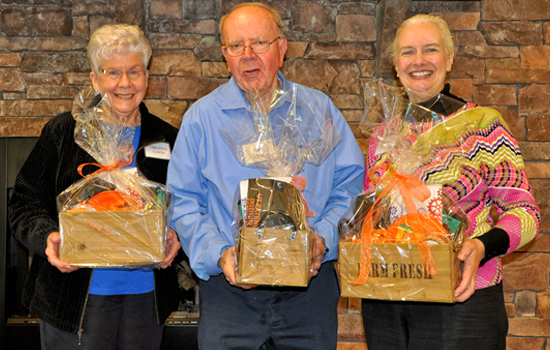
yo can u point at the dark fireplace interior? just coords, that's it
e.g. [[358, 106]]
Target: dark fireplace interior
[[19, 328]]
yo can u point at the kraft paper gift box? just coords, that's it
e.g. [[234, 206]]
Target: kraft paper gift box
[[274, 245], [274, 257], [397, 272], [396, 269], [124, 238]]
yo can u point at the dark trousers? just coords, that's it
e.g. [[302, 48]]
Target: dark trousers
[[110, 323], [479, 323], [269, 317]]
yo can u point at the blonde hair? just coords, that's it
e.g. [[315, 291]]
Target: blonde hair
[[274, 13], [114, 39], [442, 27]]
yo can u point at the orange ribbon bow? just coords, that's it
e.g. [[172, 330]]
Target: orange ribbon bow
[[108, 167]]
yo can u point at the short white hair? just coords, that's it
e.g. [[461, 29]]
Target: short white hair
[[113, 39]]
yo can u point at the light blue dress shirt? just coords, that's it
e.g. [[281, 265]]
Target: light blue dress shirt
[[204, 174]]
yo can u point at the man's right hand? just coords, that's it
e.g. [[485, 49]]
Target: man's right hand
[[52, 252], [227, 264]]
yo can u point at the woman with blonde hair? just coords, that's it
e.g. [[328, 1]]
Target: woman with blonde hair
[[491, 176]]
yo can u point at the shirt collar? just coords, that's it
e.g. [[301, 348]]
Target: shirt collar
[[234, 97]]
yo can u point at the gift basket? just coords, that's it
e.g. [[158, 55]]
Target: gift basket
[[274, 243], [401, 238], [113, 217]]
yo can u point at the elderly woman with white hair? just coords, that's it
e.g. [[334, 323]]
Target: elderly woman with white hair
[[101, 308]]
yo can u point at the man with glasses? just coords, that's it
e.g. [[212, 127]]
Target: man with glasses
[[204, 175]]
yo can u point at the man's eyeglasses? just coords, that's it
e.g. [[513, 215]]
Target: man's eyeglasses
[[257, 46], [115, 75]]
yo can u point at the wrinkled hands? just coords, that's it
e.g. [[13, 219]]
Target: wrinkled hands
[[172, 247], [319, 252], [227, 263], [54, 240], [52, 252], [473, 250]]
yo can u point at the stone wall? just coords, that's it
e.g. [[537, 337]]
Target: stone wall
[[334, 46]]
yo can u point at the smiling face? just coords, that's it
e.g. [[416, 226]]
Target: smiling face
[[126, 93], [421, 61], [254, 71]]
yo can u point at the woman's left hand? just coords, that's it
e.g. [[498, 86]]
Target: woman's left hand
[[172, 248], [473, 250]]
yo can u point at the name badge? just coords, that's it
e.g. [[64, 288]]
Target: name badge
[[159, 150]]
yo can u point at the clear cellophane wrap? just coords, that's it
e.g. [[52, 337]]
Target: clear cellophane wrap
[[113, 217], [274, 243], [400, 240]]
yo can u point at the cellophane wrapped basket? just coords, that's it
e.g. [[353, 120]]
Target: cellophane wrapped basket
[[113, 217], [400, 240], [274, 243]]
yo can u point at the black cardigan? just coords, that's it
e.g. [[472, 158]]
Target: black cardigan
[[55, 297]]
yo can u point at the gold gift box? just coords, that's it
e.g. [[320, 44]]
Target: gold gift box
[[270, 256], [397, 273], [123, 238]]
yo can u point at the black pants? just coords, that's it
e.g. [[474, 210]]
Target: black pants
[[123, 322], [479, 323], [269, 317]]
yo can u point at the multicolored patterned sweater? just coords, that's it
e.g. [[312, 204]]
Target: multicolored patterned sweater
[[477, 160]]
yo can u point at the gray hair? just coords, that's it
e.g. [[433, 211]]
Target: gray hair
[[442, 27], [114, 39], [274, 13]]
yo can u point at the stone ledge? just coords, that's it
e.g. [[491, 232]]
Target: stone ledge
[[22, 127]]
